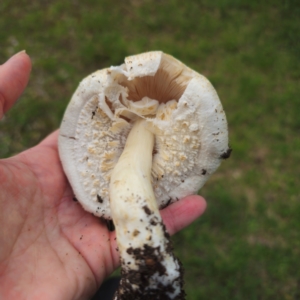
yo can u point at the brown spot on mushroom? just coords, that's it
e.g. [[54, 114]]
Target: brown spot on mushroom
[[99, 199], [153, 222], [226, 154], [69, 137], [147, 210], [167, 203], [110, 225], [135, 232], [94, 112]]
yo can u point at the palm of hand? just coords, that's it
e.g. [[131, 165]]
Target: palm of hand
[[50, 237]]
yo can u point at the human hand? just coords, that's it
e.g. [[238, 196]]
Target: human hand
[[50, 248]]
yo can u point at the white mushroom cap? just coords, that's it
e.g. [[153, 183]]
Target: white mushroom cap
[[182, 110]]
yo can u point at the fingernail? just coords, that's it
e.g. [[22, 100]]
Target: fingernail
[[23, 51], [18, 53]]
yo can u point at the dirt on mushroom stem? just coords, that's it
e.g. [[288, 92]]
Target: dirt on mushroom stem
[[149, 268]]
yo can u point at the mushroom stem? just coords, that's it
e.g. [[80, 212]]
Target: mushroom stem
[[149, 268]]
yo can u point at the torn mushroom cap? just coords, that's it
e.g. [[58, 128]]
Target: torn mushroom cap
[[181, 108]]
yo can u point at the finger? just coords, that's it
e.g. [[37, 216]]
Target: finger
[[182, 213], [14, 76], [51, 140]]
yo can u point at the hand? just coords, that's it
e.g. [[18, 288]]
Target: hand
[[50, 248]]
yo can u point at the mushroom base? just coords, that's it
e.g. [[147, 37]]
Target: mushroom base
[[149, 268], [138, 284]]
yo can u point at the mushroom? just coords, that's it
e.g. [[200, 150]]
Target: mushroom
[[135, 138]]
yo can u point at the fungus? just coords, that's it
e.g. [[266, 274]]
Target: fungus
[[135, 138]]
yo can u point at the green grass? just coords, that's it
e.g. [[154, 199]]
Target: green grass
[[247, 245]]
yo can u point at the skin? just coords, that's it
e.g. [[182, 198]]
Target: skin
[[50, 248]]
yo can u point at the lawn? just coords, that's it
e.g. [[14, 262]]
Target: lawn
[[247, 245]]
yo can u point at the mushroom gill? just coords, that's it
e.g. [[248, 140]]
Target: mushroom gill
[[168, 83]]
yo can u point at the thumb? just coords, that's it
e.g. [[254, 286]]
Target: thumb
[[14, 76]]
